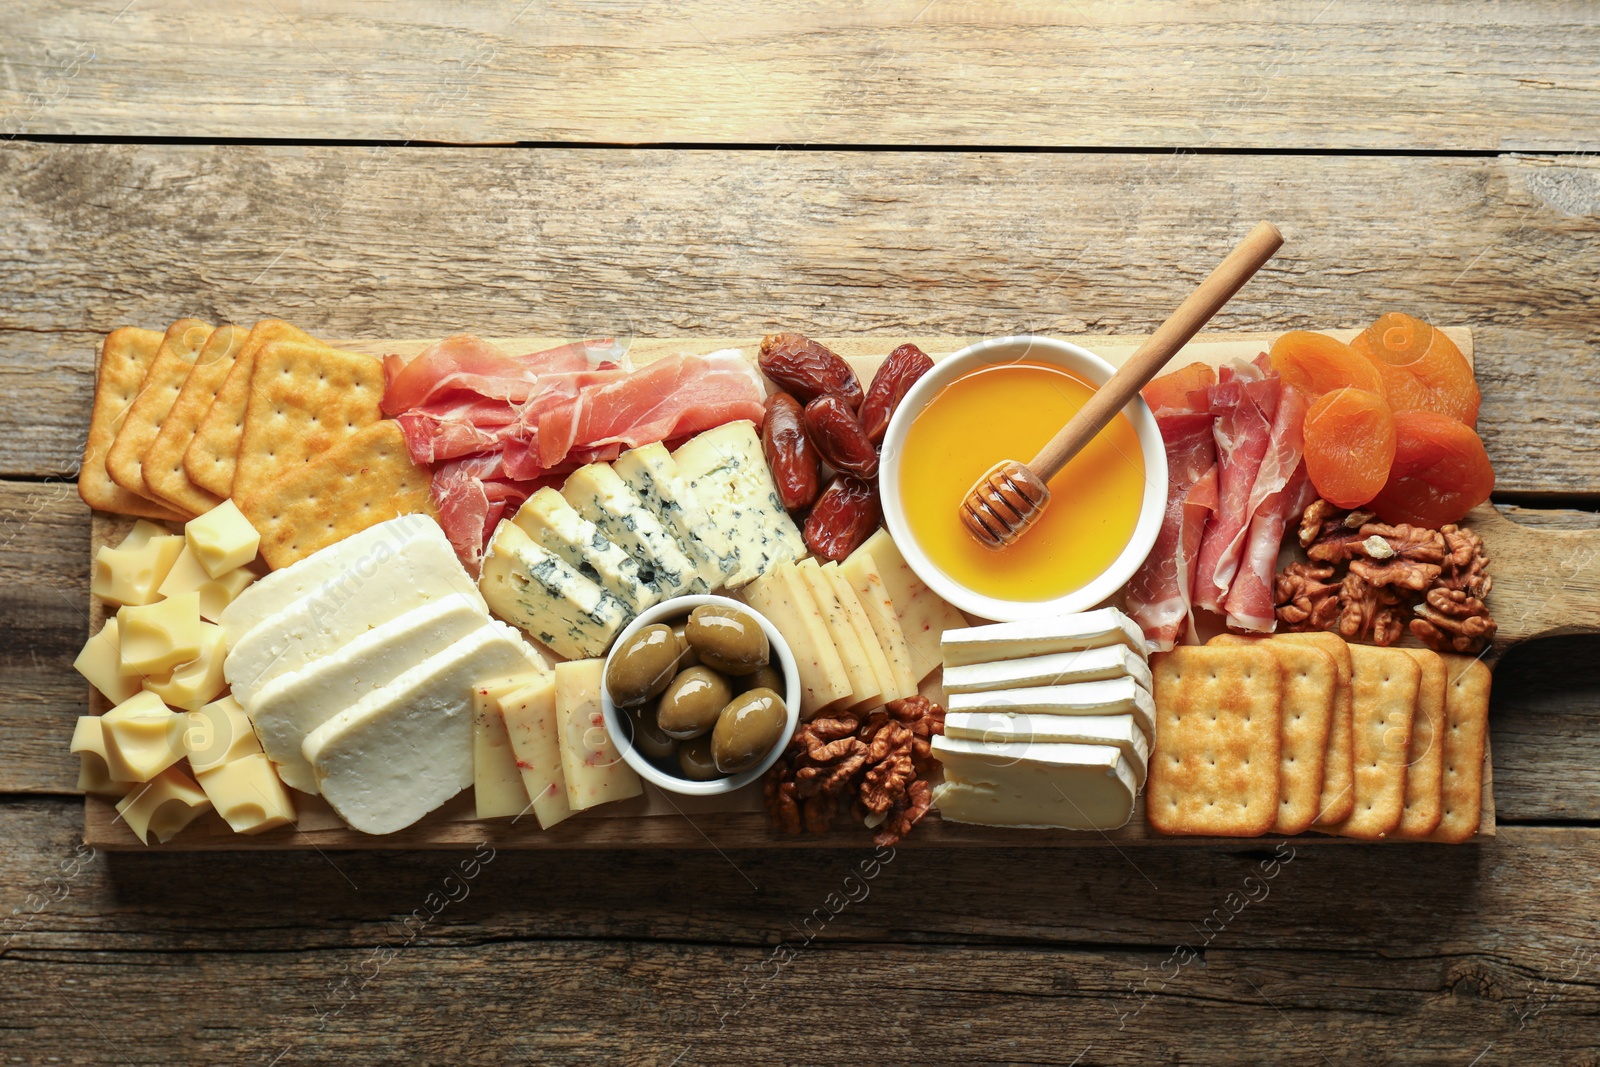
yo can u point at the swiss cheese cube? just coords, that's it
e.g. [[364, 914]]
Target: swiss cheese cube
[[101, 663], [218, 733], [157, 637], [497, 788], [531, 725], [188, 576], [199, 681], [142, 738], [222, 539], [89, 744], [133, 574], [248, 795], [163, 806], [141, 533], [590, 762]]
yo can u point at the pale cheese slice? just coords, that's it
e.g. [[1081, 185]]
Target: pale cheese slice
[[781, 596], [594, 770], [865, 690], [861, 572], [551, 521], [922, 614], [1039, 637], [531, 725], [1035, 786], [497, 789], [1116, 696], [1059, 668], [1013, 727], [890, 686]]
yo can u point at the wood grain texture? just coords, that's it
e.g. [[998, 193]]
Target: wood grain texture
[[380, 242], [1368, 74]]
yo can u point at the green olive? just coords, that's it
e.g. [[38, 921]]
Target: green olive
[[747, 730], [647, 736], [692, 702], [695, 759], [687, 656], [727, 639], [642, 666], [764, 678]]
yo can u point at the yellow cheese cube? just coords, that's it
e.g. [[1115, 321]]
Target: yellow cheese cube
[[89, 744], [218, 734], [142, 532], [164, 806], [198, 681], [133, 575], [497, 787], [142, 738], [222, 539], [101, 663], [187, 576], [248, 794], [155, 638]]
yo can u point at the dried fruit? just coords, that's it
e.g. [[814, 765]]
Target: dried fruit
[[839, 438], [889, 386], [1182, 390], [1349, 445], [843, 517], [1421, 368], [1316, 364], [795, 467], [808, 369], [1440, 471]]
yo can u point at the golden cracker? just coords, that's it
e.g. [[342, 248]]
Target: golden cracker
[[125, 358], [1466, 733], [142, 421], [364, 480], [304, 400], [163, 464], [1384, 686], [1425, 766], [1310, 688], [210, 457], [1218, 740]]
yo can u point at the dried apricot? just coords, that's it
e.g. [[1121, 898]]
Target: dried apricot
[[1421, 368], [1315, 363], [1440, 471], [1175, 391], [1349, 446]]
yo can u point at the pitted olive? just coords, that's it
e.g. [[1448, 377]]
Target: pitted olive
[[765, 678], [747, 730], [687, 656], [692, 702], [642, 666], [727, 639], [695, 759], [648, 738]]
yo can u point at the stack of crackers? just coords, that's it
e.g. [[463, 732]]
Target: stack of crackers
[[1304, 731], [287, 427]]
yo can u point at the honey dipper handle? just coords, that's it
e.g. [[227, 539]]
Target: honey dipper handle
[[1145, 363]]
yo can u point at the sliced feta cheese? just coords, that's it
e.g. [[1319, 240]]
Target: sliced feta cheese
[[1116, 696], [651, 472], [728, 473], [1039, 637], [1013, 727], [550, 520], [1058, 668], [594, 770], [538, 591], [1039, 786], [599, 495], [923, 616], [290, 706], [782, 597], [865, 687], [405, 749]]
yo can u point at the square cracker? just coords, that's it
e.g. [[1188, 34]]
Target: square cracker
[[1310, 688], [209, 459], [163, 464], [1214, 768], [366, 479], [161, 385], [1384, 688], [304, 400], [1466, 732], [1425, 766], [124, 360]]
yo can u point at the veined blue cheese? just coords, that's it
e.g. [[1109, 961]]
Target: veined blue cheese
[[728, 474], [538, 591], [598, 494], [550, 520], [651, 472]]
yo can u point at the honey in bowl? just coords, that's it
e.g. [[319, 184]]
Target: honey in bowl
[[1009, 411]]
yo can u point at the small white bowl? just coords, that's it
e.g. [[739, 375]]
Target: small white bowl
[[1085, 365], [679, 608]]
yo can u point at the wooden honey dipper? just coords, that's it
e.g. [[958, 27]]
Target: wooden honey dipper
[[1010, 496]]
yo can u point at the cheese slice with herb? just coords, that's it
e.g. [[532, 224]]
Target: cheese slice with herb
[[651, 472], [923, 616], [1117, 696], [862, 573], [531, 726], [550, 520], [1040, 637], [598, 494], [782, 597], [1015, 727], [539, 592], [728, 474], [594, 770], [497, 789], [1059, 668], [889, 683], [864, 687], [1034, 785]]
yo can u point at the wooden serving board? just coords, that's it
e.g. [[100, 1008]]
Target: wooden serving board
[[1546, 582]]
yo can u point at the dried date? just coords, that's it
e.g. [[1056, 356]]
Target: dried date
[[807, 369], [889, 386], [843, 518], [838, 437], [794, 463]]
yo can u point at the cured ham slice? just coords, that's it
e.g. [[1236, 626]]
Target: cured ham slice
[[1159, 595], [1244, 402], [1279, 486], [463, 363], [472, 496]]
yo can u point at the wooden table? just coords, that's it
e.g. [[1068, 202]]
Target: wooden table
[[892, 168]]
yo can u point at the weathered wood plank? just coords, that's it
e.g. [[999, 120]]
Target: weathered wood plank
[[415, 242], [1371, 74]]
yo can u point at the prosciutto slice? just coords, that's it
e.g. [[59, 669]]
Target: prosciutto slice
[[1159, 595], [1278, 488], [1244, 402], [462, 363]]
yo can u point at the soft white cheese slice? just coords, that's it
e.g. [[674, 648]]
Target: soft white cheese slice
[[289, 707], [1013, 727], [550, 520], [1118, 696], [1036, 786], [406, 749], [1059, 668], [1039, 637], [379, 586]]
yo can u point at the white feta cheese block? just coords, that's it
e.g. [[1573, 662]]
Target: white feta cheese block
[[599, 495], [538, 591], [289, 707], [405, 749], [354, 601], [550, 520], [994, 728], [728, 473], [1039, 637], [1116, 696], [1034, 786], [1058, 668], [651, 472]]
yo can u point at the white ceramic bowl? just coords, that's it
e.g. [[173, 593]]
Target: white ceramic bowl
[[1085, 365], [673, 610]]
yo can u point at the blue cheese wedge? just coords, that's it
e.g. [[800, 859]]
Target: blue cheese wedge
[[598, 494], [1116, 696], [728, 473], [1033, 785], [1059, 668], [651, 472], [538, 591], [1014, 727], [550, 520]]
